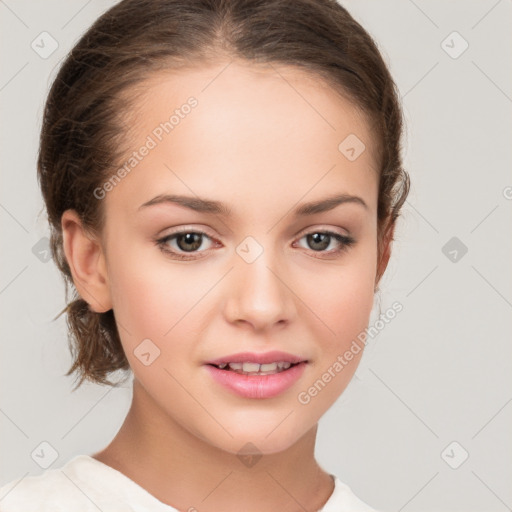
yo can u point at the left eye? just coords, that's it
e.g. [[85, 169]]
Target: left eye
[[319, 241]]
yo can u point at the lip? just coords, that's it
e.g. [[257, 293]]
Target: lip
[[257, 386], [273, 356]]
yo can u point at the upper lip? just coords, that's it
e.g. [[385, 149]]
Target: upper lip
[[275, 356]]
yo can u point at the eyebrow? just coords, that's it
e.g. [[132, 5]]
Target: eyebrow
[[217, 208]]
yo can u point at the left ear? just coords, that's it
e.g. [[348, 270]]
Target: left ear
[[384, 251]]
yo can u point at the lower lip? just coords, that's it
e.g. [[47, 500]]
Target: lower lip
[[258, 386]]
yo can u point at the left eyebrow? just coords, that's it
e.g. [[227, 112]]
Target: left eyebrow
[[217, 208], [325, 205]]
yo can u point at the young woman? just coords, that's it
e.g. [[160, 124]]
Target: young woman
[[222, 180]]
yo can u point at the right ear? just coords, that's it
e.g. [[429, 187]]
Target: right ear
[[86, 260]]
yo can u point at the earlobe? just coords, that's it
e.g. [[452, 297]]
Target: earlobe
[[384, 252], [86, 261]]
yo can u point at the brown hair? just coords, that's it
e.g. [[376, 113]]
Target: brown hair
[[83, 124]]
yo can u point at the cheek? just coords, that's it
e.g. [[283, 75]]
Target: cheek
[[344, 296], [155, 298], [141, 285], [344, 304], [156, 307]]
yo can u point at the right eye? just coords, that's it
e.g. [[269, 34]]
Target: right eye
[[183, 242]]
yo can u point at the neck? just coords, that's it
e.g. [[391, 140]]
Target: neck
[[182, 470]]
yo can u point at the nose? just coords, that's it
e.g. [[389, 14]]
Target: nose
[[259, 295]]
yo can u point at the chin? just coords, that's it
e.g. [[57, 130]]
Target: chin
[[258, 441]]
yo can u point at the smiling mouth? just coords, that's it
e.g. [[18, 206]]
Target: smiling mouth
[[254, 380], [255, 368]]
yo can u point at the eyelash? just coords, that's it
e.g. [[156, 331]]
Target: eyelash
[[345, 242]]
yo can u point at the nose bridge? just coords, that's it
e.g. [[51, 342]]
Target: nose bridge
[[258, 294]]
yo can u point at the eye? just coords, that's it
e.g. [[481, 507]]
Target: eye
[[183, 242], [319, 241], [178, 244]]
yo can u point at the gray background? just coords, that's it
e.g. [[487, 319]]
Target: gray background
[[439, 372]]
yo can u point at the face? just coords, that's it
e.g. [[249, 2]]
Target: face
[[190, 285]]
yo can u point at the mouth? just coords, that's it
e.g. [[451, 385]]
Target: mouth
[[257, 381], [248, 368], [247, 361]]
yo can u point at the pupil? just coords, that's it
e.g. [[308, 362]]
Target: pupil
[[320, 240], [189, 239]]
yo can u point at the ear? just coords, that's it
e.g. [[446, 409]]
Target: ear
[[87, 263], [384, 252]]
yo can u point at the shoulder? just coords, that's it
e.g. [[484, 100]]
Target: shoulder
[[343, 498], [55, 490], [83, 484]]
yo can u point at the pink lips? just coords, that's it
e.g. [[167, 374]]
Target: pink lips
[[257, 386]]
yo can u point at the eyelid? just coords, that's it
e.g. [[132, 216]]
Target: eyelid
[[319, 228], [204, 231], [187, 229], [184, 230]]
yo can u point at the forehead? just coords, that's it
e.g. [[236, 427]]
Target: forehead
[[254, 130]]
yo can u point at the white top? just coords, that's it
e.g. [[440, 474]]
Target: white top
[[85, 484]]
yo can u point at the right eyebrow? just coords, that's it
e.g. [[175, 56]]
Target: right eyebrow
[[193, 203]]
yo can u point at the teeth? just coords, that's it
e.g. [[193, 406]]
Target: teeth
[[251, 367], [257, 369]]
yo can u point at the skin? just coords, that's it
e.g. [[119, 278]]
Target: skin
[[262, 140]]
